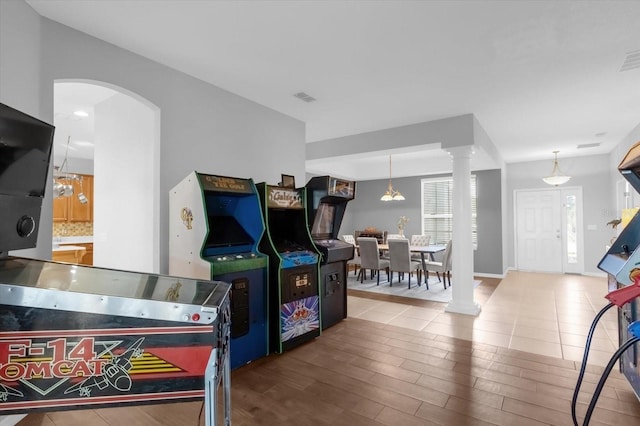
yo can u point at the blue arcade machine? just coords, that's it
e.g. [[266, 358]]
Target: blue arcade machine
[[294, 302], [215, 226]]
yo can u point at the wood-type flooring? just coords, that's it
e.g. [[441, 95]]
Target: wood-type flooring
[[367, 373]]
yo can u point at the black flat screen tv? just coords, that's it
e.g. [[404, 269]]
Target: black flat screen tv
[[25, 153]]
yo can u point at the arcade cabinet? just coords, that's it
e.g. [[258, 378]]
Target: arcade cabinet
[[215, 227], [77, 337], [327, 199], [294, 304], [622, 263]]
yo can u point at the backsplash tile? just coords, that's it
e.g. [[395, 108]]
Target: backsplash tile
[[72, 229]]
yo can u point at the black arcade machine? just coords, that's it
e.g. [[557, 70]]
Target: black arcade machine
[[294, 302], [215, 227], [327, 199]]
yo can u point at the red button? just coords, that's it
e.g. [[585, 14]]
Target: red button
[[195, 317]]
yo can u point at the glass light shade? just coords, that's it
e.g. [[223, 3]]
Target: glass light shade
[[398, 197], [556, 179], [386, 197]]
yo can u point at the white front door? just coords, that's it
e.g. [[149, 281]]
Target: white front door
[[539, 230], [548, 230]]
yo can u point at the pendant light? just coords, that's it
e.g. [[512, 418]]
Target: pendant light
[[557, 177], [391, 194], [62, 179]]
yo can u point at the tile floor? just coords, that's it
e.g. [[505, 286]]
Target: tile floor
[[546, 314]]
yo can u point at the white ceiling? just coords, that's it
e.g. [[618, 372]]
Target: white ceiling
[[538, 75], [75, 135]]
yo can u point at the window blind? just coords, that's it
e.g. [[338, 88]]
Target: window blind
[[437, 209]]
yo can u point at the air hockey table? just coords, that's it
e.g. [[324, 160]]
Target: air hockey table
[[80, 337]]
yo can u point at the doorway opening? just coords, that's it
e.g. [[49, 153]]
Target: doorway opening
[[548, 230], [113, 136]]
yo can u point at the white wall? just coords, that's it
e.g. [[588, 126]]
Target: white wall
[[125, 197]]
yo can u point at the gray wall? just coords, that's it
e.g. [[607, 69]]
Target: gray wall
[[203, 127], [20, 88], [367, 210], [592, 173]]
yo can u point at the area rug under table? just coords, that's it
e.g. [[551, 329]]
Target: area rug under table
[[436, 292]]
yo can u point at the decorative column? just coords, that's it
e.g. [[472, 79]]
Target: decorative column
[[462, 247]]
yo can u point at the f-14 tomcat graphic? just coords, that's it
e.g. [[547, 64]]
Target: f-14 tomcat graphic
[[115, 373], [6, 391]]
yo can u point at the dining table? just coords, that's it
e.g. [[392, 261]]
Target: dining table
[[428, 249]]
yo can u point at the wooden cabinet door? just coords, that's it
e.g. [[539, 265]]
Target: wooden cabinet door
[[79, 212], [60, 209]]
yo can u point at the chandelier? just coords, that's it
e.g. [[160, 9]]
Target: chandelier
[[63, 180], [557, 177], [391, 194]]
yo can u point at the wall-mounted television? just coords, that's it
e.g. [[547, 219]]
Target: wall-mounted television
[[25, 154]]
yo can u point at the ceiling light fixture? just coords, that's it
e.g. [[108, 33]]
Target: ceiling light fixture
[[80, 113], [557, 177], [391, 194], [63, 180]]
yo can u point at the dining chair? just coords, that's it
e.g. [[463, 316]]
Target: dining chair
[[419, 240], [395, 237], [400, 260], [444, 266], [370, 258], [355, 262], [348, 238]]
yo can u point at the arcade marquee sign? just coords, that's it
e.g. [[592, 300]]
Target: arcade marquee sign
[[278, 197], [67, 369]]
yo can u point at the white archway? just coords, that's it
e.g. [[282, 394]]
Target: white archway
[[126, 168]]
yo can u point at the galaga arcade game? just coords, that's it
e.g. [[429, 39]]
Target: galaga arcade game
[[327, 199], [622, 264], [294, 304], [78, 337], [215, 227]]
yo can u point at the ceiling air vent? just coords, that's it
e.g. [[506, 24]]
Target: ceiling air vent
[[304, 97], [631, 61], [588, 145]]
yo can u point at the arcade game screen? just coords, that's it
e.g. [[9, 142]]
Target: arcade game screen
[[225, 231], [288, 229], [323, 223]]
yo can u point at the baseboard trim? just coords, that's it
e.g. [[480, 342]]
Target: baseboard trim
[[481, 274]]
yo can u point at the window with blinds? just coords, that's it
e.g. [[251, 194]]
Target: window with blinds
[[437, 209]]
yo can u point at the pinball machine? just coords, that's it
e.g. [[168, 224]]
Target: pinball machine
[[215, 226], [294, 302], [327, 199], [78, 337]]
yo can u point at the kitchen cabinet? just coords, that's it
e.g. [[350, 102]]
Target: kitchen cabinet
[[70, 209], [87, 259], [68, 253]]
